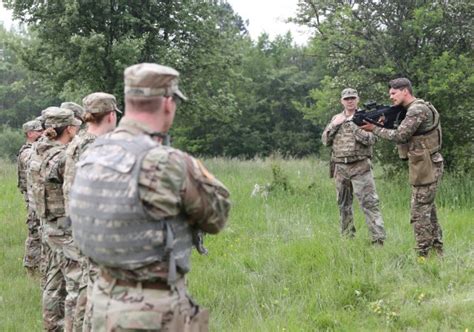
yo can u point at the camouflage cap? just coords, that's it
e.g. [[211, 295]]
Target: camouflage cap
[[151, 80], [348, 93], [77, 109], [33, 125], [100, 102], [55, 117], [40, 119]]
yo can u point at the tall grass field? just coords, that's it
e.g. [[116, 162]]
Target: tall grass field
[[281, 264]]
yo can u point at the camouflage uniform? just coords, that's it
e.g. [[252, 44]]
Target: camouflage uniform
[[32, 256], [61, 268], [73, 151], [94, 103], [351, 150], [78, 110], [420, 133], [173, 193]]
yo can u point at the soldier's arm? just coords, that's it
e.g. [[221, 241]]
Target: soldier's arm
[[171, 182], [56, 168], [362, 136], [406, 129], [22, 165], [205, 199], [329, 132]]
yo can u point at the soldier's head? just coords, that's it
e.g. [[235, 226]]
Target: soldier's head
[[60, 124], [100, 111], [401, 91], [152, 88], [75, 108], [349, 99], [32, 129]]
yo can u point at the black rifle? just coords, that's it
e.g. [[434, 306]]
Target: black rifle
[[392, 116]]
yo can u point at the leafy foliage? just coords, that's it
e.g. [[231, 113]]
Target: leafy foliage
[[247, 98], [370, 42]]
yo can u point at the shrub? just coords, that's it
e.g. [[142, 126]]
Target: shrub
[[11, 141]]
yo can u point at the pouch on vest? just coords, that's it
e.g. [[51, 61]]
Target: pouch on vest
[[420, 167], [403, 151]]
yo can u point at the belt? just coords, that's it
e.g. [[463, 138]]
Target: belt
[[161, 285], [347, 161]]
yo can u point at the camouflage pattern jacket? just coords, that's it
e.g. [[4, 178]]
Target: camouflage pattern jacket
[[73, 152], [170, 184], [348, 142], [45, 173], [23, 159], [419, 118]]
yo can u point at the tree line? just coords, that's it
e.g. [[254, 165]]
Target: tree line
[[247, 97]]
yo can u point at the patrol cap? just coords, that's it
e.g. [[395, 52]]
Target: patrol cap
[[40, 119], [77, 109], [55, 117], [100, 102], [348, 93], [151, 80], [33, 125]]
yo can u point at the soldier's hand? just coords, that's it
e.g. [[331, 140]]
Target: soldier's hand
[[338, 119], [381, 120], [367, 126]]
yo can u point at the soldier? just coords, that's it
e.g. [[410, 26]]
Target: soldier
[[46, 173], [31, 261], [100, 118], [135, 205], [351, 150], [78, 110], [419, 140]]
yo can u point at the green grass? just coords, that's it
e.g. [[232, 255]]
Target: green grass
[[280, 265]]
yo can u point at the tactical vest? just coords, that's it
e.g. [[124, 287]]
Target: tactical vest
[[421, 146], [345, 148], [47, 195], [428, 135], [109, 221], [73, 152]]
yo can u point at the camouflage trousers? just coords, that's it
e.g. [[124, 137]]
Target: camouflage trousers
[[357, 178], [32, 258], [83, 317], [61, 281], [428, 232], [124, 308]]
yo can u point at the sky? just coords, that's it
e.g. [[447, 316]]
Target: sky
[[5, 16], [263, 15], [269, 16]]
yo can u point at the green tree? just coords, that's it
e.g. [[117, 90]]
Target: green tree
[[84, 46], [279, 75], [22, 97]]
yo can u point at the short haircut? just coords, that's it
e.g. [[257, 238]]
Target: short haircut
[[148, 105], [400, 84]]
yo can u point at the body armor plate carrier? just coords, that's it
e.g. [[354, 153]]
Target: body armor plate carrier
[[110, 224]]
